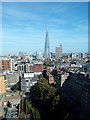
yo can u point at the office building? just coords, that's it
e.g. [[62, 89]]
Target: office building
[[39, 55], [58, 52]]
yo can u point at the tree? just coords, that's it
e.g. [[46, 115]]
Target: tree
[[56, 100], [41, 76], [35, 114], [42, 90], [16, 86], [28, 105], [32, 110], [49, 100]]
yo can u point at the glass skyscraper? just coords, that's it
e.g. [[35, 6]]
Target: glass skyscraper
[[47, 48]]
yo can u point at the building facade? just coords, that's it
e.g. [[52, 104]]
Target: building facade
[[6, 65], [38, 67], [77, 86], [11, 79], [58, 52], [28, 80], [2, 84]]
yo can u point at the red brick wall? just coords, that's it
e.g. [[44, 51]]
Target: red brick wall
[[6, 65], [38, 67]]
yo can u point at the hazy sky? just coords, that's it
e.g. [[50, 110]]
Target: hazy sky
[[24, 25]]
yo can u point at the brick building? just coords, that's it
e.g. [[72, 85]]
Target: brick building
[[77, 86], [6, 65], [38, 67], [50, 78]]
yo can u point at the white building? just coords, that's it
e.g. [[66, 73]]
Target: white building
[[58, 52], [39, 55], [28, 80], [29, 75], [73, 55]]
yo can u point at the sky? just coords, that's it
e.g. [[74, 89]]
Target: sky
[[24, 26], [45, 0]]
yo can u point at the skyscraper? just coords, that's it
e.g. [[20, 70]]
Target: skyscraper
[[58, 52], [47, 48]]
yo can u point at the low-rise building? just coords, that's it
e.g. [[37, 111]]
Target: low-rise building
[[28, 80], [11, 79], [37, 67], [12, 113]]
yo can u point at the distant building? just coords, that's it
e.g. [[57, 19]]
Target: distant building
[[2, 84], [47, 47], [73, 55], [82, 55], [58, 52], [38, 56]]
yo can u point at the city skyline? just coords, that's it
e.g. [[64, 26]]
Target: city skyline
[[24, 25]]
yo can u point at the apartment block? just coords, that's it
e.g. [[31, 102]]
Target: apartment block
[[6, 65], [11, 79], [77, 86], [38, 67], [2, 84], [28, 80]]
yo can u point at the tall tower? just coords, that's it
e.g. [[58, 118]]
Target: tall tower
[[47, 48]]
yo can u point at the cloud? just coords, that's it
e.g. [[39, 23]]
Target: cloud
[[15, 14]]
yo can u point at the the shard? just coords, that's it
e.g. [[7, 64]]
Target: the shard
[[47, 48]]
